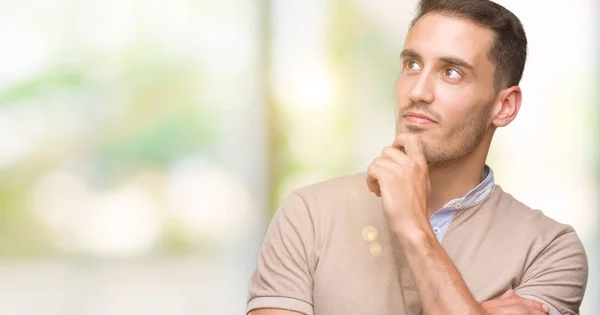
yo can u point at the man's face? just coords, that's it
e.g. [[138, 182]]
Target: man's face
[[447, 73]]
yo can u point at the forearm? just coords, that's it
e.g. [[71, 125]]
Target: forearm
[[441, 287]]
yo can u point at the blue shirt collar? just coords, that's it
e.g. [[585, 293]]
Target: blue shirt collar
[[475, 196]]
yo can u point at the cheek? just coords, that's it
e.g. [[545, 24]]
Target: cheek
[[454, 95], [403, 85], [457, 104], [402, 100]]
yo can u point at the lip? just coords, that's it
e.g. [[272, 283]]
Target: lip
[[419, 119]]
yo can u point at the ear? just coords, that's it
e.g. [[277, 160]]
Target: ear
[[507, 106]]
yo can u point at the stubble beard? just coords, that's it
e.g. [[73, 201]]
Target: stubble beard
[[459, 143]]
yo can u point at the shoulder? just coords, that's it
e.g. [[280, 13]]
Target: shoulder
[[511, 212], [329, 197], [548, 238], [556, 265], [336, 204], [505, 217], [332, 197], [339, 187], [508, 224]]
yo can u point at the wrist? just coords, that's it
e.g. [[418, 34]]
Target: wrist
[[415, 236], [478, 310]]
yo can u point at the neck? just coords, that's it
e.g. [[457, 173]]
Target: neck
[[454, 179]]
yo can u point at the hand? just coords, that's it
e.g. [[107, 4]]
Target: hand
[[402, 181], [511, 304]]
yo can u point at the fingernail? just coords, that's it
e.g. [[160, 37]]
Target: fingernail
[[545, 307]]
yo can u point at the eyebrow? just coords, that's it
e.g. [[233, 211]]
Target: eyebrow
[[411, 54], [455, 61]]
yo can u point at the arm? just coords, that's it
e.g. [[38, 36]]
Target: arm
[[443, 291], [441, 287], [402, 181], [558, 274], [556, 278], [282, 281], [272, 311], [553, 284], [511, 303]]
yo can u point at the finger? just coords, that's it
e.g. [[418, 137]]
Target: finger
[[373, 186], [400, 142], [413, 147], [374, 173], [535, 305], [508, 293], [509, 309], [536, 312], [388, 164], [395, 155], [414, 150], [508, 301], [380, 169]]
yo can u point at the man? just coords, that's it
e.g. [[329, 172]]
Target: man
[[425, 230]]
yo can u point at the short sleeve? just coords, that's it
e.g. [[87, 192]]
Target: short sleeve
[[285, 264], [558, 275]]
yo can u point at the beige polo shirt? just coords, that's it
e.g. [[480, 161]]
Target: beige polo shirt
[[328, 251]]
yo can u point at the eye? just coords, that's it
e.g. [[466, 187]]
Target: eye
[[411, 65], [452, 74]]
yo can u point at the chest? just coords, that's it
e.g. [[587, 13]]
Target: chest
[[371, 276]]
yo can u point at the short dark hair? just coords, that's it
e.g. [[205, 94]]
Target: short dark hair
[[509, 49]]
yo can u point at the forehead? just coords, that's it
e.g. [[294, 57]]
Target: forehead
[[436, 35]]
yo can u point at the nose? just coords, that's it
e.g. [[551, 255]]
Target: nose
[[422, 91]]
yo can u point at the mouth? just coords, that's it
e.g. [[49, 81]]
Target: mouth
[[418, 119]]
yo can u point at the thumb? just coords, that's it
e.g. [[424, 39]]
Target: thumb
[[508, 293]]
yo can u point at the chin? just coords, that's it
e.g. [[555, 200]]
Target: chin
[[416, 129]]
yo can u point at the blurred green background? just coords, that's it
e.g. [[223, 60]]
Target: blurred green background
[[145, 144]]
